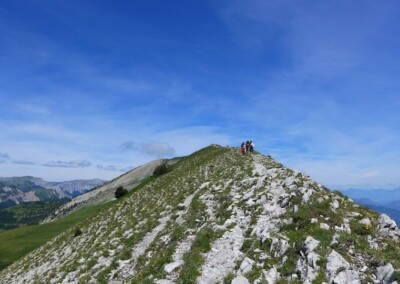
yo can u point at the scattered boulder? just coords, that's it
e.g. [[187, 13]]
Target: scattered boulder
[[306, 267], [324, 226], [246, 266], [310, 244], [171, 267], [340, 271], [387, 227], [240, 280], [344, 227], [271, 275], [384, 273], [335, 238], [335, 204], [365, 222], [280, 246]]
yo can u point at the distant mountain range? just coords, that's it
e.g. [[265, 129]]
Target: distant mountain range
[[381, 200], [17, 190]]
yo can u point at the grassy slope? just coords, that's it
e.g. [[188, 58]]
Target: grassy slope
[[16, 243]]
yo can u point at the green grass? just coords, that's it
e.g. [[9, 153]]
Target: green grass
[[193, 259], [16, 243]]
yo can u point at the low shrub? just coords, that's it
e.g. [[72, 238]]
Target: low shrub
[[395, 276], [78, 232], [361, 229], [160, 170], [120, 192]]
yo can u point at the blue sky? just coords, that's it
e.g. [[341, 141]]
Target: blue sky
[[90, 89]]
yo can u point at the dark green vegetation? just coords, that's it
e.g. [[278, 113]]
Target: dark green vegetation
[[78, 232], [160, 170], [24, 214], [396, 276], [16, 243], [120, 192]]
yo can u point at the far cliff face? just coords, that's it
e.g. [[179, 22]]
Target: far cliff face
[[16, 190], [221, 217]]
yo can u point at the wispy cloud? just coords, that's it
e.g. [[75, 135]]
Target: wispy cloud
[[108, 168], [34, 109], [4, 156], [23, 162], [68, 164], [128, 145], [157, 149]]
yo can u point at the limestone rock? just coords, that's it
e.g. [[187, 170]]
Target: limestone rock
[[171, 267], [310, 244], [247, 265], [387, 227], [306, 267], [240, 280], [271, 275], [324, 226], [340, 271], [384, 273], [335, 204]]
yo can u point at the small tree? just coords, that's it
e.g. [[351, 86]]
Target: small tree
[[160, 170], [78, 232], [120, 192]]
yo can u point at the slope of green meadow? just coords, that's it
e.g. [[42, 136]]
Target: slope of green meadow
[[16, 243]]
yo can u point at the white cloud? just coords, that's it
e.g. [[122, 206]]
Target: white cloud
[[68, 164]]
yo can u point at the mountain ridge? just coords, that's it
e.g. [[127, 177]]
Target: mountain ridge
[[106, 192], [16, 190], [217, 217]]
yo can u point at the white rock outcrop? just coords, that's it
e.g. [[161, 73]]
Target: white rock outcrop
[[306, 267], [365, 222], [387, 227], [340, 271], [247, 265], [324, 226], [384, 273], [240, 280]]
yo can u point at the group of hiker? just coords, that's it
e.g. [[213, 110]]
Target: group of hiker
[[247, 147]]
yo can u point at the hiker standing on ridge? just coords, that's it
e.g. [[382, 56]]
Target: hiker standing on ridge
[[252, 147], [243, 148], [247, 146]]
